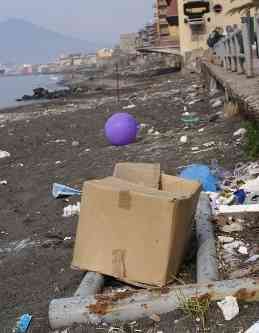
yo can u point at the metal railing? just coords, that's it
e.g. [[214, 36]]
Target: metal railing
[[235, 51]]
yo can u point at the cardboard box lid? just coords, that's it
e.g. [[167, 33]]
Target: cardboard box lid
[[147, 174]]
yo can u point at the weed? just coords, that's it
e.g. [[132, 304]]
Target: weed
[[195, 307], [252, 142]]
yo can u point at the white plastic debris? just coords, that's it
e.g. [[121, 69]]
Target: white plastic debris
[[225, 239], [243, 250], [195, 148], [229, 307], [209, 144], [234, 227], [184, 139], [231, 247], [75, 143], [67, 238], [253, 208], [251, 185], [201, 130], [252, 259], [130, 106], [240, 132], [3, 182], [71, 210], [254, 328], [217, 103], [4, 154], [150, 131]]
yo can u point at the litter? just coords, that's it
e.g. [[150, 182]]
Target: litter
[[71, 210], [229, 307], [195, 148], [224, 209], [24, 323], [243, 250], [4, 154], [190, 119], [131, 106], [252, 259], [231, 247], [225, 239], [209, 144], [201, 130], [203, 174], [217, 103], [59, 190], [240, 132], [3, 182], [75, 143], [234, 227], [184, 139], [254, 328]]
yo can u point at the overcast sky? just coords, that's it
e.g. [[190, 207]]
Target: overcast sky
[[97, 20]]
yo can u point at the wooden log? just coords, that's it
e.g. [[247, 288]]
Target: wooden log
[[207, 269], [124, 307], [91, 284]]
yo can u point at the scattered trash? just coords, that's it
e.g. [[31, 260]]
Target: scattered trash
[[253, 208], [232, 247], [203, 174], [233, 227], [209, 144], [243, 250], [240, 132], [201, 130], [3, 182], [4, 154], [58, 162], [229, 307], [71, 210], [254, 328], [131, 106], [59, 190], [225, 239], [190, 118], [75, 143], [67, 238], [217, 103], [184, 139], [60, 141], [195, 148], [240, 196], [252, 259], [23, 323]]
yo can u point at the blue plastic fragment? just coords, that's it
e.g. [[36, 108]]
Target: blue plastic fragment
[[59, 190], [202, 174], [240, 196], [24, 323]]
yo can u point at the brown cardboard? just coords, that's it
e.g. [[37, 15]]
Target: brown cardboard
[[135, 233], [147, 174]]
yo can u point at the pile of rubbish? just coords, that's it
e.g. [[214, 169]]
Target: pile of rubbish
[[42, 93]]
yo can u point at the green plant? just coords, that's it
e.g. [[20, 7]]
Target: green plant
[[252, 142], [195, 307]]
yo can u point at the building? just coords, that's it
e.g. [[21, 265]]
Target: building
[[198, 18], [173, 20], [162, 26], [128, 42], [104, 53]]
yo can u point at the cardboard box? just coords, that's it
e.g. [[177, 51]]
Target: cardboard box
[[135, 233], [146, 174]]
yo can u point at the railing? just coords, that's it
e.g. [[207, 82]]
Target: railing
[[235, 51]]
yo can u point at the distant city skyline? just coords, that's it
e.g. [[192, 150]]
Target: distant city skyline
[[88, 20]]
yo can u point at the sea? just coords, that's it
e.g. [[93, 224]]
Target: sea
[[13, 87]]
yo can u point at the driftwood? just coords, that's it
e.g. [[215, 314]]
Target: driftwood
[[206, 257], [132, 306]]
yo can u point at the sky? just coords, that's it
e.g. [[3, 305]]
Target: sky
[[92, 20]]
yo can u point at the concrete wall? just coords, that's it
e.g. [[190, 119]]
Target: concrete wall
[[190, 41]]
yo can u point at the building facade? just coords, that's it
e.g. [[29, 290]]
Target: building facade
[[198, 18]]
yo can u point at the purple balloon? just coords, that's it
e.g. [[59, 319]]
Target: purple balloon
[[121, 129]]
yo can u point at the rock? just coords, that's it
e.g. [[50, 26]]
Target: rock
[[229, 307]]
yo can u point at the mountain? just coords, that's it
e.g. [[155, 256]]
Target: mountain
[[25, 42]]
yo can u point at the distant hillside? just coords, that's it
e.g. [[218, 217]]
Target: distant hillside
[[24, 42]]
